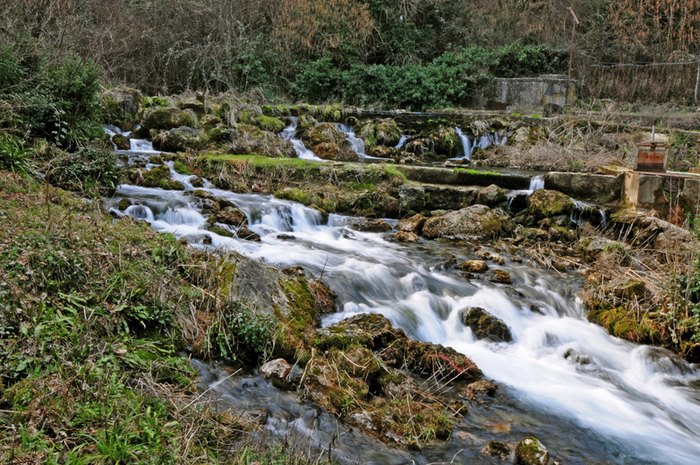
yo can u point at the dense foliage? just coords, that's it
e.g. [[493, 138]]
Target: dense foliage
[[173, 45]]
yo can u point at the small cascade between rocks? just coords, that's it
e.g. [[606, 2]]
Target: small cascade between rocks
[[289, 134], [482, 142], [357, 145], [536, 183], [402, 141], [599, 398]]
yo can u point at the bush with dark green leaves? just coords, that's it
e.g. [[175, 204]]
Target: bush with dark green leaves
[[48, 99]]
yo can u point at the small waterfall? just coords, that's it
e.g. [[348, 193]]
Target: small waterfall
[[536, 183], [467, 148], [402, 141], [140, 212], [142, 146], [356, 144], [289, 132]]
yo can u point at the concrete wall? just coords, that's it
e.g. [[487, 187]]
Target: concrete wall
[[672, 195], [536, 92]]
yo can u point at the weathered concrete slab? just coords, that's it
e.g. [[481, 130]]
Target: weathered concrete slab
[[598, 188], [465, 177]]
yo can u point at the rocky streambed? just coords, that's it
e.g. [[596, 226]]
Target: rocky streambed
[[467, 341]]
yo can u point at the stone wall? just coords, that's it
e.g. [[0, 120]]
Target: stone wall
[[549, 92]]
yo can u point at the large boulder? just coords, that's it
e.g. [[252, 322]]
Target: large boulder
[[121, 106], [641, 228], [446, 142], [484, 325], [251, 139], [382, 132], [546, 203], [180, 139], [165, 118], [472, 223], [328, 142]]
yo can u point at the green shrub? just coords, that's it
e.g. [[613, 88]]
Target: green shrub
[[13, 156], [244, 335], [90, 170]]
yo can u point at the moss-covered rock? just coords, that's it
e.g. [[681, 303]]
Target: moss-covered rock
[[180, 139], [121, 106], [492, 196], [446, 142], [530, 451], [165, 118], [250, 139], [160, 177], [484, 325], [121, 142], [545, 203], [269, 123], [475, 222], [383, 132]]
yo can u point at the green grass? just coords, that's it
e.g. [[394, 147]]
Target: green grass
[[476, 172], [260, 161]]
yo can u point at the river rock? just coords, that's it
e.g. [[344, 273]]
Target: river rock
[[232, 216], [492, 195], [370, 225], [277, 371], [546, 203], [404, 236], [484, 325], [472, 223], [530, 451], [481, 388], [246, 234], [180, 139], [501, 276], [413, 224], [165, 118], [474, 266], [497, 449], [121, 142], [627, 288]]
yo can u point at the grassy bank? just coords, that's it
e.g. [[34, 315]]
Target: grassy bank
[[94, 315]]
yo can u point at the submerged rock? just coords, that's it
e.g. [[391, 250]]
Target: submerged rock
[[497, 449], [278, 371], [484, 325], [474, 266], [475, 222]]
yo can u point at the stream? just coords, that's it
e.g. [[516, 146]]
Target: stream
[[590, 397]]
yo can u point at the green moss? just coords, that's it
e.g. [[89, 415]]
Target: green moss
[[476, 172], [270, 123], [259, 161], [160, 177], [181, 167]]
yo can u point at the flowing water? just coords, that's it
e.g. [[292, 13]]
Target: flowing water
[[356, 143], [482, 142], [289, 134], [611, 401]]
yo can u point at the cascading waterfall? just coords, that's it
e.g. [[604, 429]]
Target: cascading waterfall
[[482, 142], [356, 144], [140, 146], [289, 134], [536, 183], [467, 148], [643, 399]]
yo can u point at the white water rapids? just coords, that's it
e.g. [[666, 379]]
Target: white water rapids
[[644, 399]]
